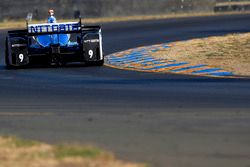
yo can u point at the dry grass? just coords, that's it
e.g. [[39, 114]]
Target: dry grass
[[15, 152], [21, 23], [231, 52]]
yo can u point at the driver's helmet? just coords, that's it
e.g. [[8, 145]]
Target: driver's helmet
[[51, 12]]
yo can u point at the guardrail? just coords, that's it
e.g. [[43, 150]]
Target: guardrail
[[229, 6]]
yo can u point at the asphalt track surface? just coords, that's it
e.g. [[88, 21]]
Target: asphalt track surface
[[162, 119]]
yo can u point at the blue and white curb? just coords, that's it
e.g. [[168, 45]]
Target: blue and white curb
[[141, 59]]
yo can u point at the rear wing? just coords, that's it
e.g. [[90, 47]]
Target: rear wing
[[53, 28]]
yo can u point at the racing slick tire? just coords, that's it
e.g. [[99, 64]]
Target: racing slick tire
[[95, 63]]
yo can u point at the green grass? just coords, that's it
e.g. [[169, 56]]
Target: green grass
[[21, 152], [64, 151], [23, 143]]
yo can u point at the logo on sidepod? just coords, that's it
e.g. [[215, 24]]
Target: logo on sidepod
[[91, 41], [54, 28]]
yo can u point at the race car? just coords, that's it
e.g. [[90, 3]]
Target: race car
[[54, 44]]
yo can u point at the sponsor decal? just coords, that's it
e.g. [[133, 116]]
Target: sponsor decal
[[91, 41], [18, 45], [53, 28]]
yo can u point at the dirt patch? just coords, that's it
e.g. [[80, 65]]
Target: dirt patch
[[16, 152], [231, 52]]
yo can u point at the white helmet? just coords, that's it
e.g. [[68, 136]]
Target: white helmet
[[51, 12]]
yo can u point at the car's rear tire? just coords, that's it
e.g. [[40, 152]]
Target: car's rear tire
[[99, 63], [95, 63]]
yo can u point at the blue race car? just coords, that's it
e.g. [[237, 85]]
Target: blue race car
[[55, 44]]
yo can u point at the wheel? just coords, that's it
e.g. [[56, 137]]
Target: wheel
[[95, 63], [99, 63]]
